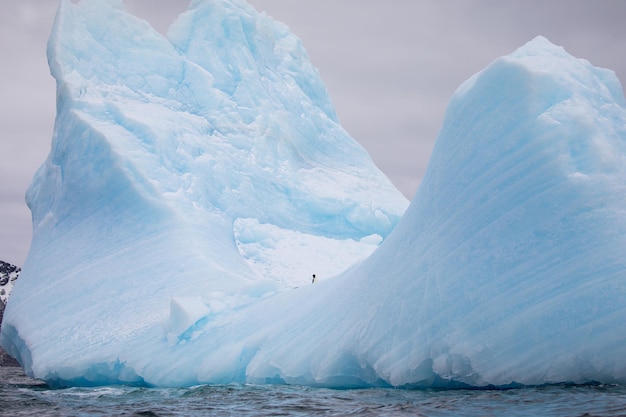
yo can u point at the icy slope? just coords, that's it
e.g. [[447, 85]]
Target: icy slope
[[508, 267], [510, 264], [162, 149]]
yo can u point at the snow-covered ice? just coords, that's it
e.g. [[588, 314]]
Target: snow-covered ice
[[196, 183]]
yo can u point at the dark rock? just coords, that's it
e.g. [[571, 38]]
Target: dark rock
[[5, 358], [7, 271]]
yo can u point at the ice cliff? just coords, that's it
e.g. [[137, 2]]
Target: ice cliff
[[194, 181], [203, 169]]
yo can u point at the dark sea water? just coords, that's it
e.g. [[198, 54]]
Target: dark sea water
[[21, 396]]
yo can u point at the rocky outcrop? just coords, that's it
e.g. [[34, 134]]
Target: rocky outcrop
[[8, 275]]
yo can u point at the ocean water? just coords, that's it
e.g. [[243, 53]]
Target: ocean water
[[22, 396]]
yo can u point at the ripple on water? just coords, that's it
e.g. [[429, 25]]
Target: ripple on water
[[22, 396]]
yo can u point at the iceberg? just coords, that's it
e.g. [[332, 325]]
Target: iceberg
[[196, 182], [188, 176]]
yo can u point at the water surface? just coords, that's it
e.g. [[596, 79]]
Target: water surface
[[22, 396]]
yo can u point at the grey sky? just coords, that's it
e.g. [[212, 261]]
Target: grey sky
[[390, 66]]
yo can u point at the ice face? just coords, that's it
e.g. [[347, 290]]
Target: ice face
[[508, 267], [164, 213], [205, 166]]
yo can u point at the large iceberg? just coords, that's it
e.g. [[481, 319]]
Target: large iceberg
[[195, 183], [188, 175]]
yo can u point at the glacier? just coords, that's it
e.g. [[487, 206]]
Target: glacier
[[196, 182]]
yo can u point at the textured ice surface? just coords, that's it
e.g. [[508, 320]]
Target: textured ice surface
[[509, 264], [199, 169], [195, 184]]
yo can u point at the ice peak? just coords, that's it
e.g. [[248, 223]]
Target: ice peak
[[575, 74], [550, 74], [540, 45]]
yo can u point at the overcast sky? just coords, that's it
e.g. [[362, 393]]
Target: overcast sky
[[391, 67]]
